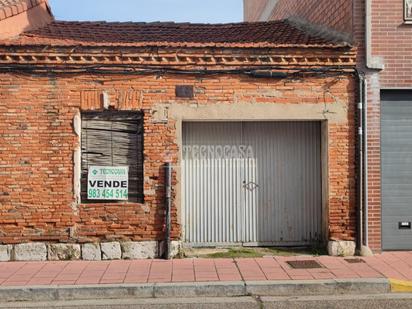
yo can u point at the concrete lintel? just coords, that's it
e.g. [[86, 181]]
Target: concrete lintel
[[335, 113]]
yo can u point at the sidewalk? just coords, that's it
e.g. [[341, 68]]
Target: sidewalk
[[393, 265]]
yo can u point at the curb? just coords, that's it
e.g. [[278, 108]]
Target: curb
[[194, 289], [318, 287], [390, 300], [144, 303], [400, 285]]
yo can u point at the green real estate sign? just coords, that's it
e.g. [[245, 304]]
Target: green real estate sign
[[108, 183]]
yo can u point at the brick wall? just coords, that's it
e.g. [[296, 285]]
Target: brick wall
[[392, 40], [373, 119], [342, 178], [336, 14], [38, 140], [253, 9], [374, 161], [18, 18]]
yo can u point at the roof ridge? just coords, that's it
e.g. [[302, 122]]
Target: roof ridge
[[166, 22], [280, 33], [320, 31]]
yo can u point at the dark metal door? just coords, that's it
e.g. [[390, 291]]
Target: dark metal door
[[396, 151]]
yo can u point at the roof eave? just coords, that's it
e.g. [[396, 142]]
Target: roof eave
[[174, 45], [186, 56]]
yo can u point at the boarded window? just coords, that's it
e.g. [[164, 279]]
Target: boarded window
[[113, 138]]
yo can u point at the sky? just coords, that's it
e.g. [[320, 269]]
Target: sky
[[195, 11]]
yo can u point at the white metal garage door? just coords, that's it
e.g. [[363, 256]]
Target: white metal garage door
[[256, 183]]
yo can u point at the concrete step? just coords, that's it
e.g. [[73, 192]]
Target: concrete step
[[195, 289], [383, 301], [374, 301], [172, 303]]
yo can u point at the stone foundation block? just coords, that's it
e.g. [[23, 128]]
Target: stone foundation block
[[35, 251], [341, 248], [91, 252], [139, 250], [176, 248], [365, 251], [5, 253], [63, 252], [111, 250]]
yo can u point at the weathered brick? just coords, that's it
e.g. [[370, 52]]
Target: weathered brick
[[36, 118]]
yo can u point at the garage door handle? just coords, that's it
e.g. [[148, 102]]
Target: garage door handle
[[250, 186]]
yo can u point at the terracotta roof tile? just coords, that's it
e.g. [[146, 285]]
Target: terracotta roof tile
[[258, 34], [14, 7]]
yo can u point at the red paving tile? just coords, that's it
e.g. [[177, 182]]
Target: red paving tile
[[118, 267], [14, 283], [183, 277], [112, 281], [65, 282], [396, 265], [323, 276], [160, 271], [131, 279], [345, 275], [205, 270], [140, 266], [138, 271], [227, 270], [250, 269], [277, 276], [230, 277], [40, 281], [19, 278], [303, 277]]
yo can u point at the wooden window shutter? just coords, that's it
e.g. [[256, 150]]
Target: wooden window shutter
[[113, 138]]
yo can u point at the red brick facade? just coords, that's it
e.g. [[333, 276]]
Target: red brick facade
[[17, 16], [38, 141], [336, 14], [50, 75], [374, 163], [391, 40], [253, 9]]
